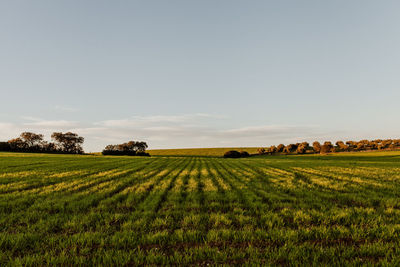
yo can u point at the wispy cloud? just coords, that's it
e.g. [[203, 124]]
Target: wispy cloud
[[189, 130], [136, 121]]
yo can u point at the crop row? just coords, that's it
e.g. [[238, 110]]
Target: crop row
[[189, 210]]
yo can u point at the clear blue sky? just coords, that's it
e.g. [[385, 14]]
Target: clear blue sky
[[200, 73]]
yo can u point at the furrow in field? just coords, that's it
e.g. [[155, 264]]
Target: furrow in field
[[75, 192], [347, 183], [363, 176], [147, 212], [320, 191], [138, 185], [176, 203], [47, 182], [78, 202], [137, 199], [245, 195], [256, 182], [298, 183], [46, 178], [31, 168], [87, 199]]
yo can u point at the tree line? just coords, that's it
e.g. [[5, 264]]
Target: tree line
[[67, 143], [328, 147]]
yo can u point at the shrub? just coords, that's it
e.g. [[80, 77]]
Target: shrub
[[232, 154], [244, 154], [143, 154]]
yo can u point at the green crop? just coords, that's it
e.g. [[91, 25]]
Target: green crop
[[306, 210]]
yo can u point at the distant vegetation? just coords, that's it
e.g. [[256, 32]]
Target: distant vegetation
[[131, 148], [67, 143], [291, 149], [202, 152], [328, 147], [71, 143], [236, 154]]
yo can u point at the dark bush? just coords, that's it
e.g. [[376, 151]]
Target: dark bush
[[143, 154], [232, 154], [244, 154]]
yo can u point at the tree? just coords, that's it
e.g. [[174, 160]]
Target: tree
[[140, 146], [396, 142], [351, 144], [360, 146], [306, 145], [317, 147], [342, 146], [69, 142], [32, 139], [49, 147], [280, 148], [327, 147], [17, 144], [290, 148], [301, 149], [131, 148]]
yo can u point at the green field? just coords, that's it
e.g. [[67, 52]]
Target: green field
[[277, 210], [206, 152]]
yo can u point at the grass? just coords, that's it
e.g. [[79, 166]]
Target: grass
[[206, 152], [340, 209]]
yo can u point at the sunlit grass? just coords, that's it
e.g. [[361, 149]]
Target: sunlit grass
[[313, 210]]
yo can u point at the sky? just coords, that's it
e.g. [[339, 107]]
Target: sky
[[200, 73]]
